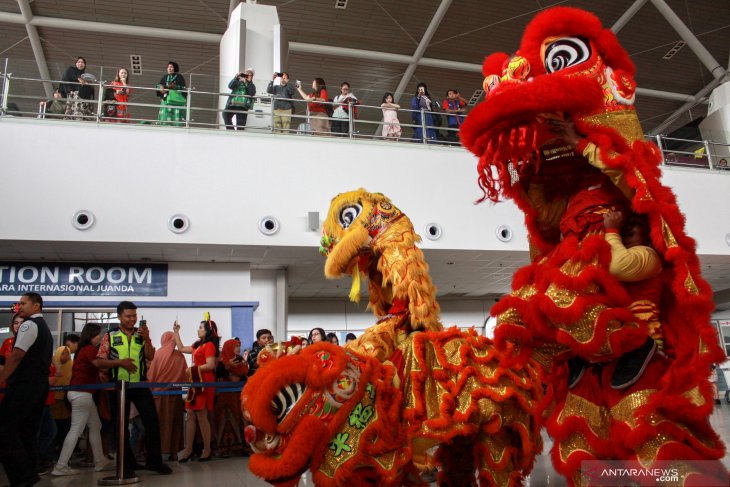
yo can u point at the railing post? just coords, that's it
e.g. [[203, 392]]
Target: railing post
[[119, 479], [99, 100], [187, 107], [661, 148], [271, 104], [423, 126], [350, 118], [707, 151], [6, 90], [4, 103]]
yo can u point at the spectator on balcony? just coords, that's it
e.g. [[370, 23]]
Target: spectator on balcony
[[391, 124], [53, 108], [343, 103], [283, 106], [722, 164], [171, 89], [455, 106], [423, 102], [240, 101], [121, 90], [319, 107], [75, 87]]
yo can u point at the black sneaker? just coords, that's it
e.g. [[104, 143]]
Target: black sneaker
[[576, 369], [632, 364]]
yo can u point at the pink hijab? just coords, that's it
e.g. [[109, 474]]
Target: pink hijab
[[169, 365]]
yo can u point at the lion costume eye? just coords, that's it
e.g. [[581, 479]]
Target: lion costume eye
[[348, 214], [566, 52]]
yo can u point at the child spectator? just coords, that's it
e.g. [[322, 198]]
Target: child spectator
[[391, 124], [455, 106]]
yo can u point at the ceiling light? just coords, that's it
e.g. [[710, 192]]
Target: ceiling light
[[475, 97], [135, 61], [674, 50]]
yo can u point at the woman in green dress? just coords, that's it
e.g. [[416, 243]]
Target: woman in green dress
[[171, 89]]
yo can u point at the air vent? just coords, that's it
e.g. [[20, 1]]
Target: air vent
[[475, 97], [674, 50], [135, 60], [341, 4]]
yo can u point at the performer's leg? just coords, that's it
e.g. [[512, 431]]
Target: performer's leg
[[457, 462], [580, 426], [649, 427]]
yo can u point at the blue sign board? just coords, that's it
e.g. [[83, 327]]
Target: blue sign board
[[70, 279]]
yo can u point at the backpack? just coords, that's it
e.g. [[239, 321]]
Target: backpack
[[354, 104], [239, 99], [330, 108]]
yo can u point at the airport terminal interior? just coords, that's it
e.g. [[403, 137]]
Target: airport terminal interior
[[183, 155]]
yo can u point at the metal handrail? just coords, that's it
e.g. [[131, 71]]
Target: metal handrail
[[304, 116]]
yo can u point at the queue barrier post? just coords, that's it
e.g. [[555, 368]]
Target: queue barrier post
[[119, 478]]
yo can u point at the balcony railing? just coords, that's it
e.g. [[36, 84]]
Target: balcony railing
[[201, 111]]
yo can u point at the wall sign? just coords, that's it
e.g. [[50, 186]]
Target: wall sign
[[67, 279]]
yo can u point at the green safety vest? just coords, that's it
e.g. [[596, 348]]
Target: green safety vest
[[121, 347]]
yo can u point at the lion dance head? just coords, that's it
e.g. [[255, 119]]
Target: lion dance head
[[365, 233]]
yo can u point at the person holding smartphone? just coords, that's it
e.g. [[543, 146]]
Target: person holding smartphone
[[283, 105], [205, 354], [124, 353]]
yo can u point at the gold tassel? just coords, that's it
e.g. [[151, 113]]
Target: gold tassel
[[355, 289]]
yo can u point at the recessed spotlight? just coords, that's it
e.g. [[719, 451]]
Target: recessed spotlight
[[269, 225], [433, 231], [178, 223], [83, 220]]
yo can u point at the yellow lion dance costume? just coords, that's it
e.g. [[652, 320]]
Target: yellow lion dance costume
[[366, 414]]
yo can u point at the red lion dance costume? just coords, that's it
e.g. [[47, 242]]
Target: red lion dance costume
[[566, 303]]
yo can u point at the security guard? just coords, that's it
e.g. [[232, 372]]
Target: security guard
[[125, 353]]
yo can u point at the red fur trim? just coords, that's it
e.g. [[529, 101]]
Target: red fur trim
[[294, 459], [493, 63], [521, 102]]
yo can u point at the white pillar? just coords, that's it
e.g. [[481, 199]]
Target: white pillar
[[255, 39]]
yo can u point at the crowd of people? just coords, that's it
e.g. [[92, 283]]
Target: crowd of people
[[42, 428], [326, 115]]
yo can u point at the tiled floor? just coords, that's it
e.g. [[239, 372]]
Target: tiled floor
[[234, 471]]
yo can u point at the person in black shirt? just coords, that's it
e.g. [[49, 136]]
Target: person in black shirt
[[26, 371]]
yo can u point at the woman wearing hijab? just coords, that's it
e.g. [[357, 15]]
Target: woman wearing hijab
[[205, 354], [169, 365], [74, 87], [231, 368], [171, 89], [61, 413]]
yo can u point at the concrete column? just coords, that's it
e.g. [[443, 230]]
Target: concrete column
[[254, 38]]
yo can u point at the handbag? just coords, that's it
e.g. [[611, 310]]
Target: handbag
[[175, 97]]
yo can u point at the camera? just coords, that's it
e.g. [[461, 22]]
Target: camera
[[279, 75]]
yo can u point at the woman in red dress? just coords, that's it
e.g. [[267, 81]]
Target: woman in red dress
[[120, 85], [205, 354]]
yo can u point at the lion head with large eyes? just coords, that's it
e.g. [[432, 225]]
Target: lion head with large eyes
[[366, 233], [323, 402], [568, 67]]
